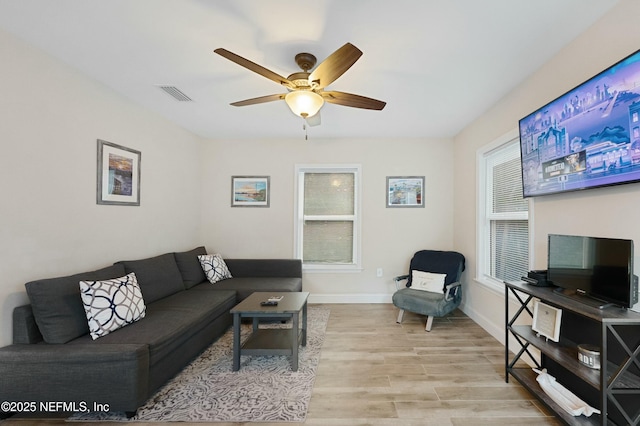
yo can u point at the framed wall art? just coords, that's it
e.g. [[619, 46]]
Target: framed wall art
[[405, 191], [118, 180], [250, 191]]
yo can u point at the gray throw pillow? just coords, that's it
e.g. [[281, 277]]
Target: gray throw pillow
[[157, 276], [189, 266]]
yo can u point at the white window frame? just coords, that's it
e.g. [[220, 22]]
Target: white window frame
[[300, 170], [510, 142]]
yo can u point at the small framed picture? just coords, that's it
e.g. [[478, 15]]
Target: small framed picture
[[118, 180], [250, 191], [546, 320], [405, 191]]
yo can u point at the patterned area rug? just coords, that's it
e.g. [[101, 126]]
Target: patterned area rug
[[263, 390]]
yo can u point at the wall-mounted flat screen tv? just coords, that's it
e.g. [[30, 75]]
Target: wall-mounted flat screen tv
[[587, 138]]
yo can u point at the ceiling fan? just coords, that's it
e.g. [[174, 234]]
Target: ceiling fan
[[306, 89]]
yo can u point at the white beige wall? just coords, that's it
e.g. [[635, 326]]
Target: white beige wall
[[50, 224], [389, 235], [607, 212]]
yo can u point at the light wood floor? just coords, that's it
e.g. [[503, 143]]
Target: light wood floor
[[379, 373]]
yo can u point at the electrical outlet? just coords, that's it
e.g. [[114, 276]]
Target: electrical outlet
[[379, 272]]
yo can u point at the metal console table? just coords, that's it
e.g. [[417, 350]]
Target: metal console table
[[614, 389]]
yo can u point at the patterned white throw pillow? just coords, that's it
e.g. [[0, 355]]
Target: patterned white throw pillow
[[428, 281], [214, 267], [112, 304]]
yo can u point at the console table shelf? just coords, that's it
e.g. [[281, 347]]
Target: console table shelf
[[527, 378], [614, 389], [564, 352]]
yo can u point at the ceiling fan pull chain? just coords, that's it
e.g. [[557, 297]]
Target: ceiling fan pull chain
[[304, 127]]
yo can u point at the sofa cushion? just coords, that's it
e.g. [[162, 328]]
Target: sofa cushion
[[111, 304], [214, 267], [424, 302], [244, 286], [265, 267], [57, 306], [189, 266], [157, 276], [169, 323]]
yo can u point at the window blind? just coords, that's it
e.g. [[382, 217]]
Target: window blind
[[328, 241], [507, 188], [329, 218], [509, 249], [328, 193], [508, 216]]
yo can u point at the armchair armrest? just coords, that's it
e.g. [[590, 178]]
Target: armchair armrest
[[451, 290], [400, 278]]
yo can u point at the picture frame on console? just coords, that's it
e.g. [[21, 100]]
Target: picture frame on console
[[250, 191], [405, 191], [546, 320], [118, 175]]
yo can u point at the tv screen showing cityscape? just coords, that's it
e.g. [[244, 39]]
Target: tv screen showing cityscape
[[587, 138]]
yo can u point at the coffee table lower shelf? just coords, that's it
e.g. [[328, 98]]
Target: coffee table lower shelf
[[270, 341]]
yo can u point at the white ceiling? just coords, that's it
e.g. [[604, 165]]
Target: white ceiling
[[438, 64]]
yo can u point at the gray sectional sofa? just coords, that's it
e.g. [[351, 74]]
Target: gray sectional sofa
[[54, 359]]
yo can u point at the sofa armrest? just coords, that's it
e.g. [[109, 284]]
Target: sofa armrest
[[117, 375], [25, 329], [291, 268]]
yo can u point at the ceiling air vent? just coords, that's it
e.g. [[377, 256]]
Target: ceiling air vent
[[176, 93]]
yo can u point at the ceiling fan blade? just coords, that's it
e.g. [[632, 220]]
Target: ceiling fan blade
[[351, 100], [314, 120], [335, 65], [260, 100], [252, 66]]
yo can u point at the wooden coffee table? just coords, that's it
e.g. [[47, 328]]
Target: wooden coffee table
[[271, 341]]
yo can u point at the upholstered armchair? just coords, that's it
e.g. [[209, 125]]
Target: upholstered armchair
[[433, 285]]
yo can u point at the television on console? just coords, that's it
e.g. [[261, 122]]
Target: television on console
[[600, 269], [587, 138]]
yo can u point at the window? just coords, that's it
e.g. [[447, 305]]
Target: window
[[327, 217], [503, 224]]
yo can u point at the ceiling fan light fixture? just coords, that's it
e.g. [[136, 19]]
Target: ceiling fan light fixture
[[304, 103]]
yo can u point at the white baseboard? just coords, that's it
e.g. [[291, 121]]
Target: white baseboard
[[497, 331], [349, 298]]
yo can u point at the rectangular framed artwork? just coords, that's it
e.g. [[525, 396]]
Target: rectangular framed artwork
[[250, 191], [546, 320], [405, 191], [118, 180]]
